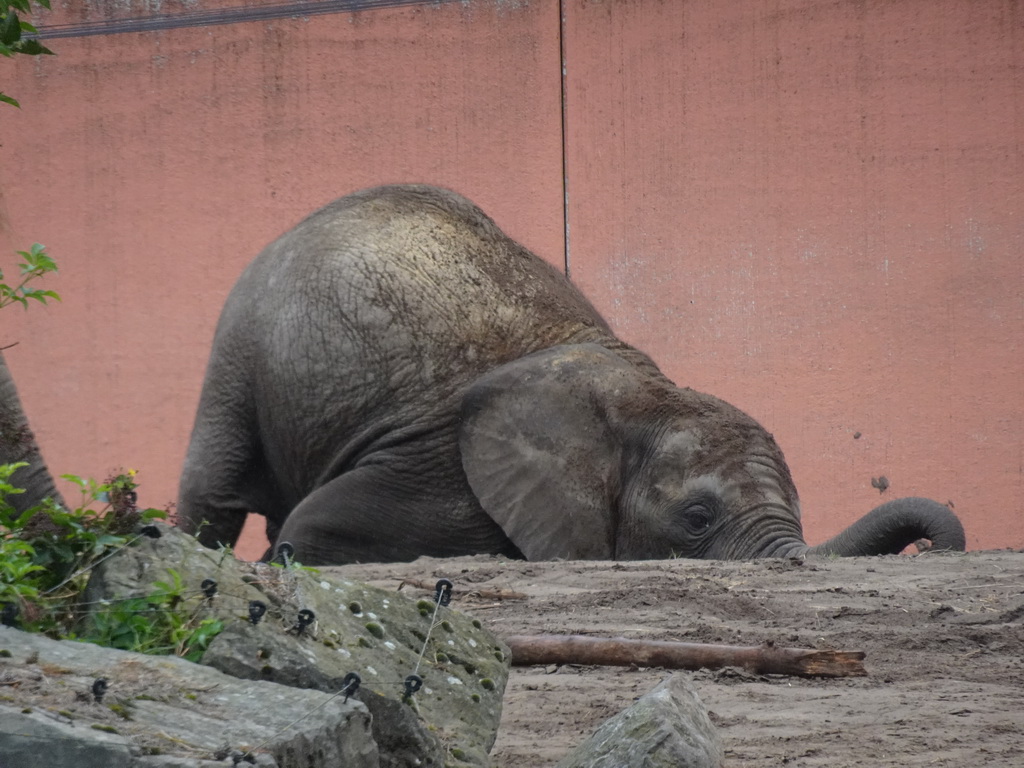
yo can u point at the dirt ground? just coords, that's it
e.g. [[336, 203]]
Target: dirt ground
[[943, 634]]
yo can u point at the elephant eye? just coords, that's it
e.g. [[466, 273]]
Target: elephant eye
[[697, 517]]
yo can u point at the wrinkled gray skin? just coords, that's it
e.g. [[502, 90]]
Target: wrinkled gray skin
[[18, 444], [395, 377]]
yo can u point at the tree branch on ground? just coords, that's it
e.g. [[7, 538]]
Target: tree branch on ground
[[531, 650]]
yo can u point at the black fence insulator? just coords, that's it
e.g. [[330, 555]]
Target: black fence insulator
[[99, 689], [443, 593], [285, 554], [350, 684], [305, 618], [209, 587], [9, 615], [151, 531], [412, 684], [256, 610]]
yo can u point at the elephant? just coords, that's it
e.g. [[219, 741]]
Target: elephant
[[396, 377], [18, 445]]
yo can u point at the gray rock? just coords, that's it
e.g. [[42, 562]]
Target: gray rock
[[162, 712], [31, 739], [375, 633], [667, 728]]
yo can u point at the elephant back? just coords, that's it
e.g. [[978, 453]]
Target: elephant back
[[380, 309]]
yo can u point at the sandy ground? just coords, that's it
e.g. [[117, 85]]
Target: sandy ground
[[943, 634]]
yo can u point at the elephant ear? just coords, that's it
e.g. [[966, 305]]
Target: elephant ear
[[540, 454]]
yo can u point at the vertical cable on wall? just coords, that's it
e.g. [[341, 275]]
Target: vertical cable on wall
[[565, 173]]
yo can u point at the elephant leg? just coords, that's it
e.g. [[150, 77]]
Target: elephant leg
[[209, 506], [375, 513], [224, 478]]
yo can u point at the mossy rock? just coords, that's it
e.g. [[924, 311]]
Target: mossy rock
[[358, 628]]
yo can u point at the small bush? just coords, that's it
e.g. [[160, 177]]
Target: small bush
[[46, 553]]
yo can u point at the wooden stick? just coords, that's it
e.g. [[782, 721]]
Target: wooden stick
[[528, 650]]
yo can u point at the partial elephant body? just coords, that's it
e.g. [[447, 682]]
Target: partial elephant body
[[396, 377], [312, 381], [18, 445]]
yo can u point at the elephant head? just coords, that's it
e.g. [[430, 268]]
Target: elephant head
[[577, 453]]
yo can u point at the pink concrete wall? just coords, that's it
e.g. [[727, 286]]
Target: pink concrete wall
[[815, 210], [811, 209], [155, 166]]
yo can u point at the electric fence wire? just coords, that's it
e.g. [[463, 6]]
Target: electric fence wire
[[217, 16], [442, 596], [149, 531], [209, 589], [84, 607], [351, 681]]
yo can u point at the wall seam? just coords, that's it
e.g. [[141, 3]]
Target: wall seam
[[565, 167]]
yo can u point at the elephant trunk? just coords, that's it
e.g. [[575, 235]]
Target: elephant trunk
[[889, 528]]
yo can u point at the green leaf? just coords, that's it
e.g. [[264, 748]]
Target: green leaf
[[36, 258], [199, 640], [81, 482], [40, 295], [110, 540], [31, 48], [6, 470], [10, 28], [8, 99], [25, 516]]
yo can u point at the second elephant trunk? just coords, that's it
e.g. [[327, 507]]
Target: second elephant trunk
[[889, 528]]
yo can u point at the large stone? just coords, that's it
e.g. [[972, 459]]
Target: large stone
[[162, 712], [667, 728], [376, 634]]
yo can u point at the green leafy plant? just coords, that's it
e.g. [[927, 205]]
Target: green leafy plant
[[35, 263], [46, 553], [16, 569], [66, 543], [156, 623], [22, 577], [17, 36]]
